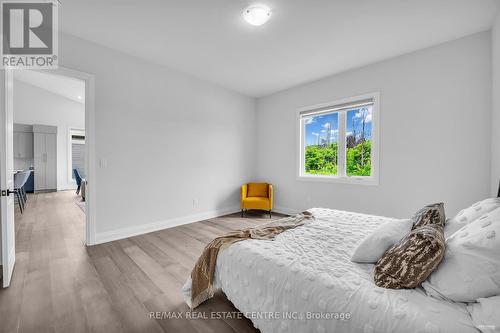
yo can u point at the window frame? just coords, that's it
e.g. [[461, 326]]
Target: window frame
[[341, 177]]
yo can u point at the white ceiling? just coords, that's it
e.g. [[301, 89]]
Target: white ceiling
[[304, 40], [61, 85]]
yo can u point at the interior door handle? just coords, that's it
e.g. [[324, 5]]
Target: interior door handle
[[6, 193]]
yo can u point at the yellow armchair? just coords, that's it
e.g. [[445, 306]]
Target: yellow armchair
[[256, 196]]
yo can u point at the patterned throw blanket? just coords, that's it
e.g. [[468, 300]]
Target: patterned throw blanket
[[203, 271]]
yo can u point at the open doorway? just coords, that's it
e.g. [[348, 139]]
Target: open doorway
[[49, 153], [49, 148]]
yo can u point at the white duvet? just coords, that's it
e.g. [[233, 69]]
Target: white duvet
[[304, 281]]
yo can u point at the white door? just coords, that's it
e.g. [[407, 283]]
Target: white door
[[7, 177]]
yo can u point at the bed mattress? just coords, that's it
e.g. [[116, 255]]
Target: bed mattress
[[304, 281]]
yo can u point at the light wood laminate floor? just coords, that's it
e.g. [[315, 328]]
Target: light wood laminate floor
[[59, 285]]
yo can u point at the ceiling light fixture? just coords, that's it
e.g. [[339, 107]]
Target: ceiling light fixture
[[257, 14], [79, 97]]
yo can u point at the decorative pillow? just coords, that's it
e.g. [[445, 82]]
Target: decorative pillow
[[469, 214], [380, 240], [411, 260], [430, 214], [486, 314], [471, 268]]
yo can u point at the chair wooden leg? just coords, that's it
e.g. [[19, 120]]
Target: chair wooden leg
[[78, 189], [242, 213], [270, 214]]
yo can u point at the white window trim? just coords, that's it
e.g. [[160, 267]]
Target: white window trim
[[375, 155], [72, 131]]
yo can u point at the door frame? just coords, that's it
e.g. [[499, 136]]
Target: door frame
[[90, 194]]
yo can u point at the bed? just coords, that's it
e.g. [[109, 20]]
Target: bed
[[304, 281]]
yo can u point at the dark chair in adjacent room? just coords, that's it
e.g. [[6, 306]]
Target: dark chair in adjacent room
[[78, 179], [20, 180]]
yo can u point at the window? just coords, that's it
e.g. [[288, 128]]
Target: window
[[338, 141], [76, 154]]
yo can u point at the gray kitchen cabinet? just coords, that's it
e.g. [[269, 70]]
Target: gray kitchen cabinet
[[45, 157], [23, 141]]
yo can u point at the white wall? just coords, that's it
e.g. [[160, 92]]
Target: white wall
[[434, 132], [33, 105], [495, 121], [168, 139]]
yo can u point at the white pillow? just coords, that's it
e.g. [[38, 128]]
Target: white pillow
[[469, 214], [486, 314], [471, 265], [380, 240]]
